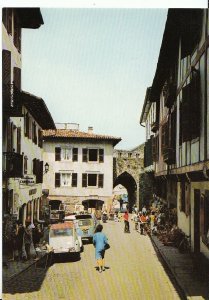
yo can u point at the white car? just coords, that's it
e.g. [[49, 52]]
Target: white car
[[63, 238], [72, 219]]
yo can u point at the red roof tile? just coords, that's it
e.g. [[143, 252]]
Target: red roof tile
[[75, 134]]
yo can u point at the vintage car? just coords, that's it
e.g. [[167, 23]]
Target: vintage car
[[63, 238], [71, 218], [85, 226]]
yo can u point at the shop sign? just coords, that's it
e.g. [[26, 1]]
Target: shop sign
[[27, 180], [32, 192]]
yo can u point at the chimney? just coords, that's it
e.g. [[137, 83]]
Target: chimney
[[90, 129]]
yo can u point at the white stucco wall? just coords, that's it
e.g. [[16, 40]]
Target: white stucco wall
[[79, 167]]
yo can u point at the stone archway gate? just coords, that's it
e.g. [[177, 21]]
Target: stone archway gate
[[129, 164]]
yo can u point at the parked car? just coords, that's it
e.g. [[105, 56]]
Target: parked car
[[85, 226], [63, 238], [71, 218]]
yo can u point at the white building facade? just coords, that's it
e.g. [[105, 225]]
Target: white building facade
[[80, 166]]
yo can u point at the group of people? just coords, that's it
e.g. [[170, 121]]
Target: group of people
[[20, 241]]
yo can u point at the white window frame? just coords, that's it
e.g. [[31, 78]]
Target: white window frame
[[63, 178], [64, 151]]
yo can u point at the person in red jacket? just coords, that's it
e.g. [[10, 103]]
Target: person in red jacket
[[126, 222]]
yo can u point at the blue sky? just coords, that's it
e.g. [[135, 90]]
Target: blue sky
[[92, 66]]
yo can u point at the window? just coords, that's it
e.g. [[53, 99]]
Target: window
[[25, 164], [66, 153], [93, 155], [129, 155], [92, 180], [75, 154], [66, 179], [57, 153]]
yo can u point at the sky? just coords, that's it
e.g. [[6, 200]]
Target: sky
[[92, 66]]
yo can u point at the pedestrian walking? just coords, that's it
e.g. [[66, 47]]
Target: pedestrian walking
[[19, 239], [152, 221], [100, 242], [126, 222], [143, 222], [144, 210], [27, 239]]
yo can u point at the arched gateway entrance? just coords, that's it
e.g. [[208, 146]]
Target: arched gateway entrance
[[129, 183]]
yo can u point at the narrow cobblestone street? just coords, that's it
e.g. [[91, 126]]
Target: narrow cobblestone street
[[133, 271]]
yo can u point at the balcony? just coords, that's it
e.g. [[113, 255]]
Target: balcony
[[148, 161], [11, 101], [12, 165]]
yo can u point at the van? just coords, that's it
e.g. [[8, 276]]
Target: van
[[85, 226]]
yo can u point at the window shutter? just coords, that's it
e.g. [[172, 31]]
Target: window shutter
[[195, 103], [85, 153], [40, 138], [41, 170], [34, 166], [75, 154], [6, 67], [9, 20], [19, 140], [74, 179], [101, 155], [6, 79], [30, 128], [9, 137], [17, 77], [84, 180], [101, 180], [57, 179], [57, 153], [186, 115], [154, 154], [38, 171]]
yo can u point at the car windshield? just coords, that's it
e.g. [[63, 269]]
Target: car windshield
[[86, 222], [61, 232]]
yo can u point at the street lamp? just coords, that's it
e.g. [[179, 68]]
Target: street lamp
[[46, 168]]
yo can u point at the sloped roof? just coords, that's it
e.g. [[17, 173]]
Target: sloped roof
[[38, 109], [75, 134]]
